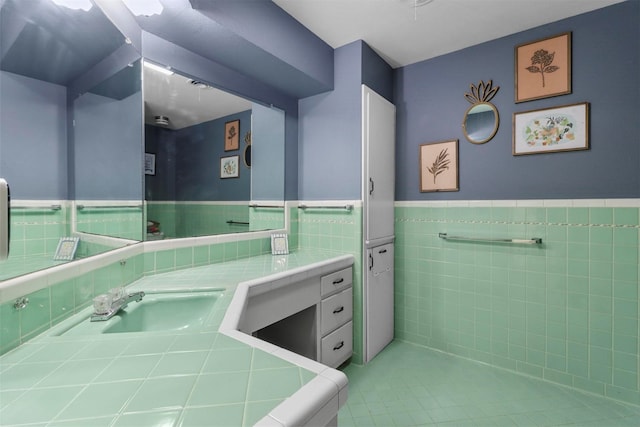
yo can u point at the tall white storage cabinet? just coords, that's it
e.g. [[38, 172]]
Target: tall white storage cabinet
[[378, 189]]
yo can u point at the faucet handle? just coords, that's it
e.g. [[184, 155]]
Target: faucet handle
[[117, 293], [102, 303]]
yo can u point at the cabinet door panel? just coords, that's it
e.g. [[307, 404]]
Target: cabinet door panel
[[379, 164]]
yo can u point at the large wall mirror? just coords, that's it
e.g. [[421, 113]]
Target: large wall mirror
[[60, 65], [76, 120], [198, 180]]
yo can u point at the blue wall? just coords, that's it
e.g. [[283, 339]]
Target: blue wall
[[267, 153], [330, 164], [606, 58], [188, 162], [33, 137]]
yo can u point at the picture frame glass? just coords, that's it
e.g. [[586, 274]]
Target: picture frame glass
[[564, 128], [279, 244], [543, 68], [232, 135], [149, 164], [439, 166], [229, 167]]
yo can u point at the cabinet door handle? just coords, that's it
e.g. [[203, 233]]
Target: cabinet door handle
[[339, 346], [370, 262], [382, 251], [370, 186], [338, 281], [338, 310]]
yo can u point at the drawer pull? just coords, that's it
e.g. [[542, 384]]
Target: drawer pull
[[339, 346], [382, 251], [337, 282], [338, 310]]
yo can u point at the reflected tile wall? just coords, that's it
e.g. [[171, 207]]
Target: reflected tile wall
[[566, 310]]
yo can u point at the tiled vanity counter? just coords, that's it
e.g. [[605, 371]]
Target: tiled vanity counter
[[215, 375]]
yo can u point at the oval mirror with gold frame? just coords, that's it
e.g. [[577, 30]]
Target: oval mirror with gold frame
[[481, 120]]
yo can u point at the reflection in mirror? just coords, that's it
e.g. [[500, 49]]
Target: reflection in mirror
[[108, 156], [47, 51], [481, 120], [190, 127]]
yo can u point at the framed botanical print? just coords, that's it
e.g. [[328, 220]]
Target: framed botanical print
[[232, 135], [543, 68], [439, 166]]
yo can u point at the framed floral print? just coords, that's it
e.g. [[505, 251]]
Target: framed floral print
[[543, 68], [564, 128]]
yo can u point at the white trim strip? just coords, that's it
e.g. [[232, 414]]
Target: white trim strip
[[538, 203]]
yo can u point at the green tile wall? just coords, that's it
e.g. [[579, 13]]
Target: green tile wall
[[176, 259], [339, 231], [124, 223], [566, 311], [58, 301], [266, 218], [198, 219], [35, 234]]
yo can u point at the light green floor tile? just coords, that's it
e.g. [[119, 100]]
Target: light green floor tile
[[407, 385]]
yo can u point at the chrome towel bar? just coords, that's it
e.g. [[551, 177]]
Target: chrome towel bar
[[81, 207], [532, 241], [254, 205], [41, 207], [345, 207]]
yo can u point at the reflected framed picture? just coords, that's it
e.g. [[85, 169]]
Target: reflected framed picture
[[66, 250], [439, 166], [543, 68], [229, 167], [554, 129], [149, 164], [232, 135], [279, 244]]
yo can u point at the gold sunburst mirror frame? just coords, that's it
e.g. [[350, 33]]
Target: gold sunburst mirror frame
[[481, 120]]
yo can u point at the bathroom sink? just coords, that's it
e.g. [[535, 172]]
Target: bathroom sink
[[164, 313], [171, 311]]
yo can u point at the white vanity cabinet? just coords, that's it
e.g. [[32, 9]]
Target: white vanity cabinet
[[335, 318], [311, 316]]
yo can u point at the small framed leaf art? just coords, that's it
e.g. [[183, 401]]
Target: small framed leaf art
[[543, 68], [439, 166]]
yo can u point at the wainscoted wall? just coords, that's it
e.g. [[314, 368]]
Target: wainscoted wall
[[340, 231], [36, 229], [189, 219], [566, 310], [121, 222]]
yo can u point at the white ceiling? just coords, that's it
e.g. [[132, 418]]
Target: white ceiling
[[184, 103], [403, 34]]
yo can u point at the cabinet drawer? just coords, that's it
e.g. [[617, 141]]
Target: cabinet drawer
[[336, 310], [336, 281], [337, 347]]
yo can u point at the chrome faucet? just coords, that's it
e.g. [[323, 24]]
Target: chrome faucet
[[116, 305]]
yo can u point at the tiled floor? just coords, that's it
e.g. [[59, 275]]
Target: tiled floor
[[407, 385]]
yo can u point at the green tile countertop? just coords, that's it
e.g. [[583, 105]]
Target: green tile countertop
[[188, 378]]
